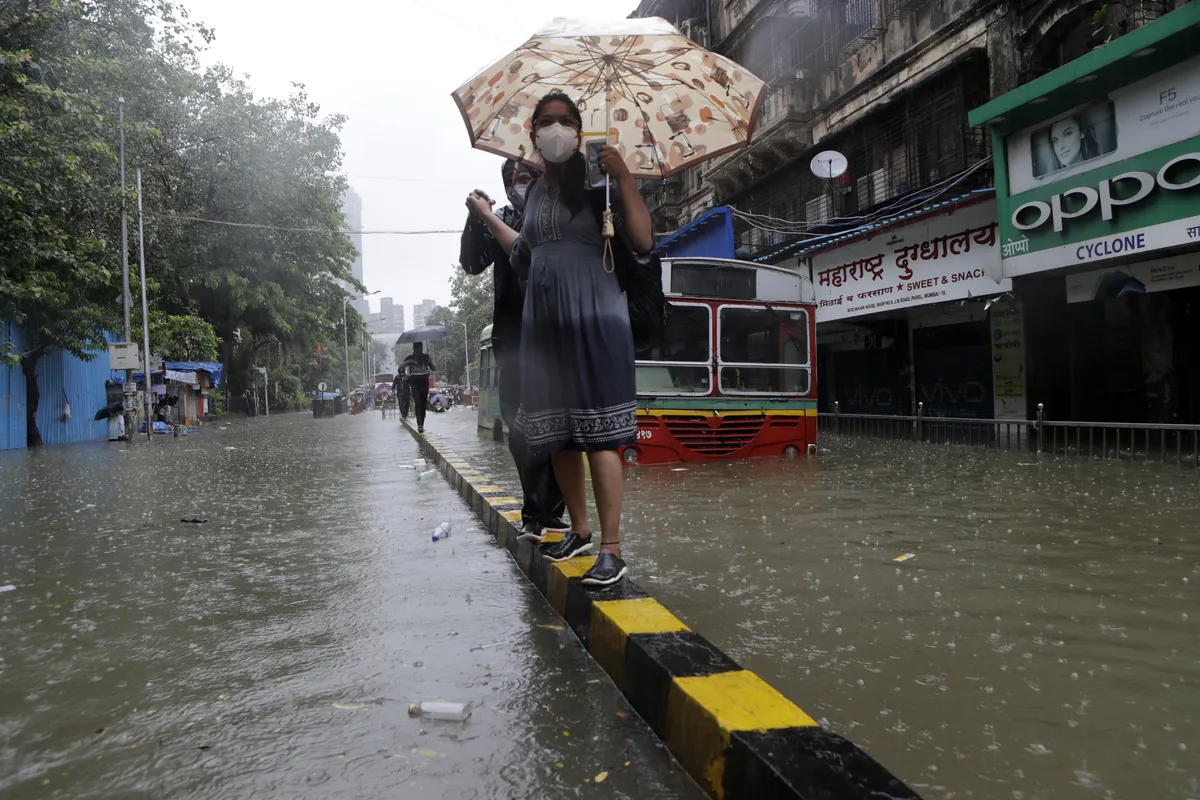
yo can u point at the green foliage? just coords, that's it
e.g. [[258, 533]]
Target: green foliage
[[180, 337], [54, 275], [208, 149]]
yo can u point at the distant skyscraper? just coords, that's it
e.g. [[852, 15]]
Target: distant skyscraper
[[390, 318], [422, 311], [352, 209]]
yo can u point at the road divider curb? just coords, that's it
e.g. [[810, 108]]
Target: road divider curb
[[738, 737]]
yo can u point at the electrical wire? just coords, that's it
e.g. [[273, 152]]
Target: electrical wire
[[800, 227], [256, 226]]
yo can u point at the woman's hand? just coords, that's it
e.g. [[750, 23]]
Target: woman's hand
[[480, 205], [612, 163]]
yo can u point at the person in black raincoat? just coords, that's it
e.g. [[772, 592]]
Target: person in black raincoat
[[543, 502]]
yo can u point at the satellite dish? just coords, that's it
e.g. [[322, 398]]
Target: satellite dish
[[829, 164]]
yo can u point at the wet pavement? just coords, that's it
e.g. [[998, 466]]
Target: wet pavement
[[1040, 643], [272, 652]]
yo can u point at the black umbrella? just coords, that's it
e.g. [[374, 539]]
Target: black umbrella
[[108, 411], [425, 333]]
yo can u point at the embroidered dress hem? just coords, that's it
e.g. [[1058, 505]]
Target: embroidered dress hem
[[578, 429]]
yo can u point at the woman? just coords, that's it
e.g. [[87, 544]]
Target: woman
[[1072, 143], [577, 358]]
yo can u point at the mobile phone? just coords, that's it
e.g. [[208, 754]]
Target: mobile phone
[[596, 177]]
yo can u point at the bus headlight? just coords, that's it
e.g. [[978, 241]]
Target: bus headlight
[[630, 455], [791, 451]]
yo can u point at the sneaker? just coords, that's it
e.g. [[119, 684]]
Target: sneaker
[[420, 430], [572, 545], [608, 569], [556, 525], [530, 533]]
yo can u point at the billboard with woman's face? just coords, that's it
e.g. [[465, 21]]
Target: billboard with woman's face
[[1135, 119], [1078, 137]]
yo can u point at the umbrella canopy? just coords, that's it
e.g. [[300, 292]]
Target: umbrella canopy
[[425, 333], [662, 100], [106, 412]]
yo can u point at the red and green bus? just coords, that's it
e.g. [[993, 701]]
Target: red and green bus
[[735, 374]]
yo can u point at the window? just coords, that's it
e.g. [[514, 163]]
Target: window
[[485, 379], [682, 363], [763, 351], [707, 280]]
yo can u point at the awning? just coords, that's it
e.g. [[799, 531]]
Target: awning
[[181, 377], [709, 236], [213, 368]]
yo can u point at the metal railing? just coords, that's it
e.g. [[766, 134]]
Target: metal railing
[[1137, 441], [1002, 434]]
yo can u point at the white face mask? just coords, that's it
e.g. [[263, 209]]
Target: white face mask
[[557, 143]]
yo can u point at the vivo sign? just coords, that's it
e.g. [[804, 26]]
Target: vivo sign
[[1102, 196]]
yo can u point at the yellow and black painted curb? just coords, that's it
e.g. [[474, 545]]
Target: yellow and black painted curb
[[739, 738]]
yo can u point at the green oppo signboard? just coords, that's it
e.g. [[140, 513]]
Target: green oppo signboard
[[1099, 160], [1127, 209]]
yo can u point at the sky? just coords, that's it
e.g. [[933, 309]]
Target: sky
[[390, 66]]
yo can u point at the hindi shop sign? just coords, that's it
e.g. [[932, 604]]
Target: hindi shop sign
[[944, 257]]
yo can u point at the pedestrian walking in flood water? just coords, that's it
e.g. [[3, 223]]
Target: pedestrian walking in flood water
[[543, 504], [419, 367], [578, 389]]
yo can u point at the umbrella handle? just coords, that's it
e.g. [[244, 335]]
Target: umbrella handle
[[609, 231]]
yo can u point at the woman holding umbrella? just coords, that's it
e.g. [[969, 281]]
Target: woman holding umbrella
[[578, 385], [666, 104]]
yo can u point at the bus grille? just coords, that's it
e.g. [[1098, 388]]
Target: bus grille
[[713, 436]]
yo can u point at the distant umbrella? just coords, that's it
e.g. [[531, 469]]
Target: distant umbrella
[[426, 333], [108, 411]]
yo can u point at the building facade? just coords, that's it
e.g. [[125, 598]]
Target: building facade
[[388, 320], [918, 304], [420, 312], [1098, 184]]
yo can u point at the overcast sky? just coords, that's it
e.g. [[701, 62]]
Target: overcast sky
[[390, 65]]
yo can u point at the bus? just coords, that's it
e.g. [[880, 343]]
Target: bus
[[735, 375], [488, 403]]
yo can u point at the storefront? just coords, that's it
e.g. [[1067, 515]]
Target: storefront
[[916, 312], [1098, 187]]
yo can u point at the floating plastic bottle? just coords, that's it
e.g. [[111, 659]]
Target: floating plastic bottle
[[429, 473], [442, 531], [420, 463], [456, 712], [407, 466]]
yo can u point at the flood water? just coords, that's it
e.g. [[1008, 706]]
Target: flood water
[[272, 651], [1040, 643]]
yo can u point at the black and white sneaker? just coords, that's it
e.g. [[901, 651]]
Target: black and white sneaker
[[572, 545], [607, 570], [531, 532], [556, 525]]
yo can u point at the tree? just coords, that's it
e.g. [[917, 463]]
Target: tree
[[181, 337], [53, 279], [265, 285]]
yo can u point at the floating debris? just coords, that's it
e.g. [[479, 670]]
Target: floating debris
[[905, 557]]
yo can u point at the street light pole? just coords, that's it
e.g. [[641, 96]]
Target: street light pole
[[466, 354], [346, 344], [145, 306], [128, 389], [346, 335]]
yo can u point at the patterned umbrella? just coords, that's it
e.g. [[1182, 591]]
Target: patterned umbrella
[[664, 102]]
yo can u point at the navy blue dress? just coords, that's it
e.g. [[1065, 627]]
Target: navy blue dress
[[578, 377]]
